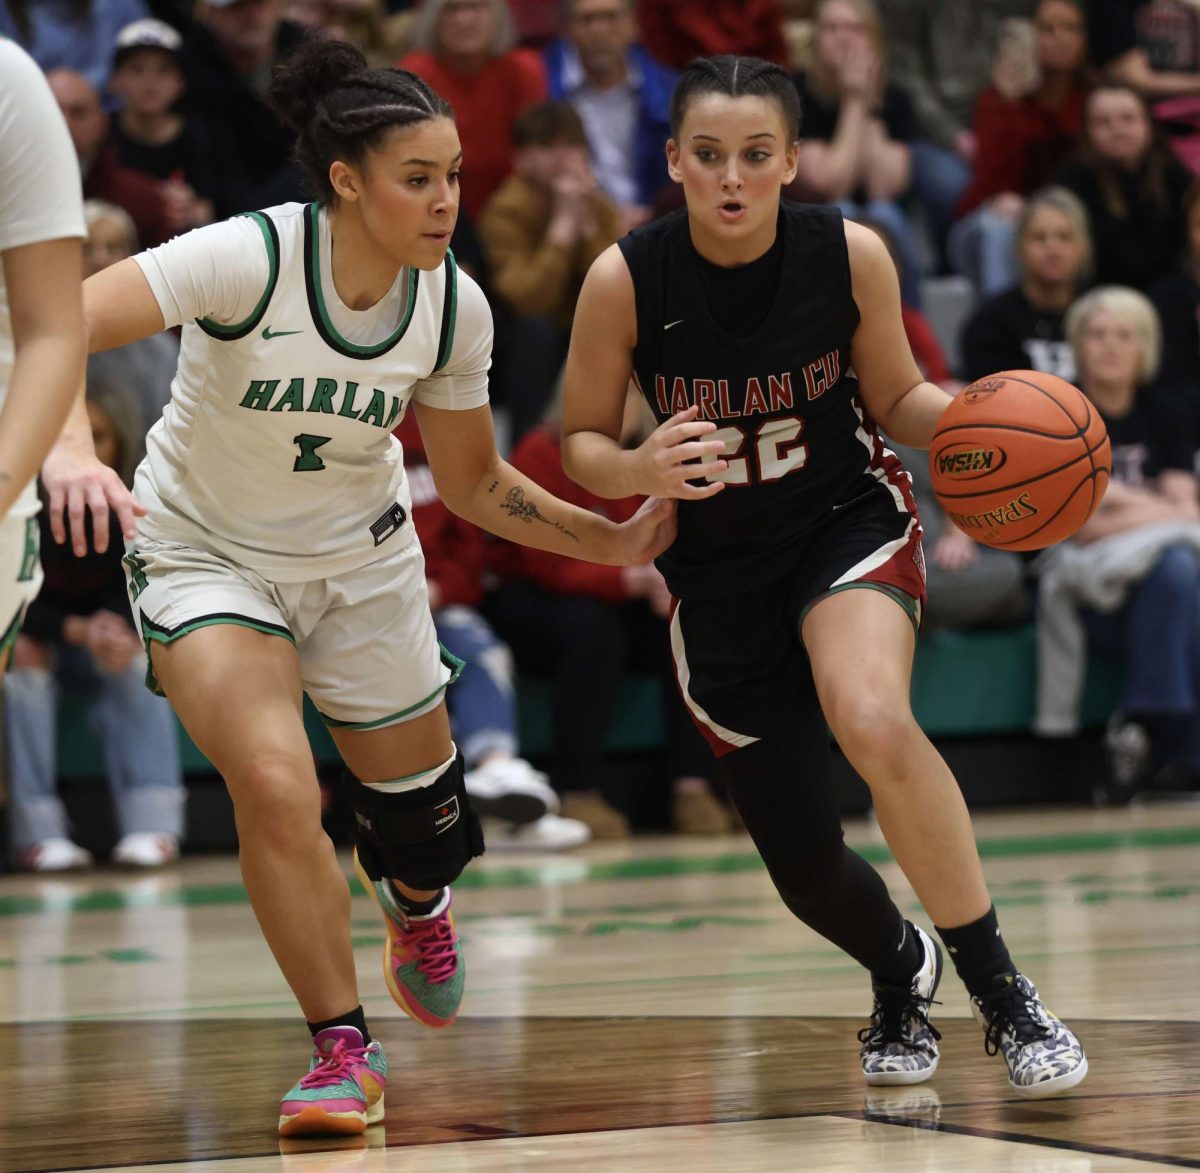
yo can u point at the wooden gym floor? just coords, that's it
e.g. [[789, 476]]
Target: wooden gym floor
[[637, 1007]]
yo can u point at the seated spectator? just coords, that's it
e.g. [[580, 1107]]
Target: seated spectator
[[1132, 187], [78, 636], [228, 54], [144, 368], [1130, 579], [464, 49], [675, 31], [1177, 299], [587, 627], [1027, 124], [967, 584], [1022, 329], [104, 178], [1119, 48], [941, 53], [856, 129], [541, 231], [154, 137], [515, 801], [623, 96], [70, 34]]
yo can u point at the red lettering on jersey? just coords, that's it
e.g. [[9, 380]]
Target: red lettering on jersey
[[725, 407], [679, 396], [780, 390], [660, 393], [756, 401], [704, 392], [833, 367], [814, 378]]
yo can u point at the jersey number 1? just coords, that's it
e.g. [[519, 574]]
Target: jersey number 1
[[308, 460]]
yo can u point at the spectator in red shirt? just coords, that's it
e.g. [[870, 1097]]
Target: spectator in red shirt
[[588, 626], [1027, 124], [464, 49], [675, 31], [103, 176]]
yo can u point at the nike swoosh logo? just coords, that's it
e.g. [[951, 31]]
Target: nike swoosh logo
[[268, 333], [677, 322]]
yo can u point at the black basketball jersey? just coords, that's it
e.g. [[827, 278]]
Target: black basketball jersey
[[798, 441]]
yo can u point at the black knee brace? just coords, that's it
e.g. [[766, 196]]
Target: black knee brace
[[424, 837]]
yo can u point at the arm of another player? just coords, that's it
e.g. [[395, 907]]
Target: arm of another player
[[596, 383], [896, 397], [479, 486], [118, 308], [43, 282]]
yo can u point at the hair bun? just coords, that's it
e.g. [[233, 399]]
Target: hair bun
[[317, 67]]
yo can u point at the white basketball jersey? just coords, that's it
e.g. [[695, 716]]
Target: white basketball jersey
[[276, 449]]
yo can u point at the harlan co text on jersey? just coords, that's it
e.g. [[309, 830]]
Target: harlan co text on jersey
[[324, 397]]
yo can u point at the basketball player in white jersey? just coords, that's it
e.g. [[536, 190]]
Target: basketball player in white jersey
[[41, 313], [276, 554]]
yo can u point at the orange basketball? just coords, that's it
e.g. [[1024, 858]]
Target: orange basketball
[[1020, 460]]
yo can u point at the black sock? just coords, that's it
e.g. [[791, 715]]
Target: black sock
[[415, 907], [978, 952], [896, 965], [354, 1018]]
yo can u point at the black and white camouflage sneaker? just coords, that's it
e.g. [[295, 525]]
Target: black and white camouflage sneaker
[[900, 1046], [1043, 1056]]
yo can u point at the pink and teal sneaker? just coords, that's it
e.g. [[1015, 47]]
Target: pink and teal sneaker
[[422, 959], [343, 1090]]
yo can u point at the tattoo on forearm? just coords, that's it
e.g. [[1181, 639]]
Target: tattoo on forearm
[[517, 506]]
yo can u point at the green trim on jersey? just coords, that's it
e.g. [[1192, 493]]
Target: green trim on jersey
[[316, 296], [241, 329], [12, 631], [155, 633], [450, 660], [449, 313]]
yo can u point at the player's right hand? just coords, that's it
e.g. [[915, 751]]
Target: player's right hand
[[676, 454], [77, 483]]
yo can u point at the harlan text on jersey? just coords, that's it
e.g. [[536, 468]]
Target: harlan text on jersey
[[324, 397]]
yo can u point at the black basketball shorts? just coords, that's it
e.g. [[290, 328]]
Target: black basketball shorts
[[739, 660]]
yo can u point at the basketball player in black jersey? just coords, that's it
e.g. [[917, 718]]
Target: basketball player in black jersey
[[766, 336]]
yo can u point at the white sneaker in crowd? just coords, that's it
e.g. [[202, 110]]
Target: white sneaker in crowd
[[549, 833], [146, 849], [511, 790], [56, 855]]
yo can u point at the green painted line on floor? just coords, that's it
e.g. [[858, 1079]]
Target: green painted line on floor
[[576, 871]]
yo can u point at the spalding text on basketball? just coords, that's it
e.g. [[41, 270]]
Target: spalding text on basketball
[[1018, 509]]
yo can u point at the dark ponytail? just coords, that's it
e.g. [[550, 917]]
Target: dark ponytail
[[340, 108], [736, 77]]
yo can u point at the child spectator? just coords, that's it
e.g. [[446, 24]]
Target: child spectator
[[152, 135], [541, 231], [1027, 125], [464, 49], [78, 636], [1022, 328], [1133, 189]]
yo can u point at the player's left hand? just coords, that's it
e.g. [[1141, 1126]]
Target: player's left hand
[[647, 533], [77, 483]]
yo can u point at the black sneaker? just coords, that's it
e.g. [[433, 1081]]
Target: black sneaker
[[901, 1046], [1043, 1056]]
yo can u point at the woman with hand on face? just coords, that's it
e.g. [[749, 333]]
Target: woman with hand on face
[[797, 570], [276, 553]]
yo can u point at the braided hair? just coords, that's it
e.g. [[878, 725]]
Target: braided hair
[[736, 77], [340, 108]]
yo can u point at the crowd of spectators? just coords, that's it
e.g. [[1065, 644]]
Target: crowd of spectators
[[1043, 152]]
